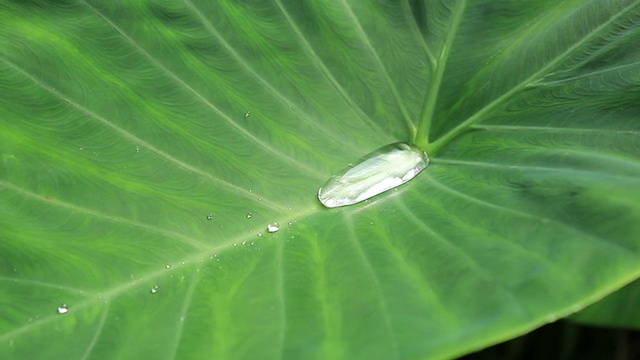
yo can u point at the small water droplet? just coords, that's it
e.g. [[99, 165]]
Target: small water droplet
[[381, 170], [154, 289], [168, 266], [249, 215], [259, 234], [210, 217], [273, 227], [247, 113], [137, 149], [63, 309], [290, 223]]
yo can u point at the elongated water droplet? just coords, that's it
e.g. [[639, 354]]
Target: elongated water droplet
[[63, 309], [382, 170], [273, 227]]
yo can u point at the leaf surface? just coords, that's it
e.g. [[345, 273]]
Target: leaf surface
[[146, 145]]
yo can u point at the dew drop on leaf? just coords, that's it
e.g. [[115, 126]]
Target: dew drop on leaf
[[383, 169], [249, 215], [62, 309], [247, 113], [168, 266], [210, 217], [273, 227], [154, 289]]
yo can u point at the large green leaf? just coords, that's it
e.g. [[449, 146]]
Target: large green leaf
[[127, 124], [619, 309]]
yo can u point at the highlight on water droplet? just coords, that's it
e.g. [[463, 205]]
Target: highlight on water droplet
[[383, 169], [154, 289], [273, 227], [63, 309]]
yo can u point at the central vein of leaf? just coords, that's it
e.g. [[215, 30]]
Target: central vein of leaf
[[429, 104]]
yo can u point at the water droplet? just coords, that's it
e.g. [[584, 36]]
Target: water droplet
[[290, 223], [168, 266], [63, 309], [154, 289], [382, 170], [273, 227], [259, 234], [210, 217], [249, 215], [247, 113], [137, 149]]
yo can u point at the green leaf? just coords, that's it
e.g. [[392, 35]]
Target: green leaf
[[619, 309], [126, 125]]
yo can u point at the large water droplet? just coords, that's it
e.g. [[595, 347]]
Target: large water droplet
[[63, 309], [273, 227], [382, 170]]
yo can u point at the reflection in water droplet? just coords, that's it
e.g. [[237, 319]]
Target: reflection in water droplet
[[273, 227], [247, 113], [63, 309], [210, 216], [249, 215], [382, 170], [154, 289]]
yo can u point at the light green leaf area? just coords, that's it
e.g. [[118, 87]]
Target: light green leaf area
[[619, 309], [127, 124]]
